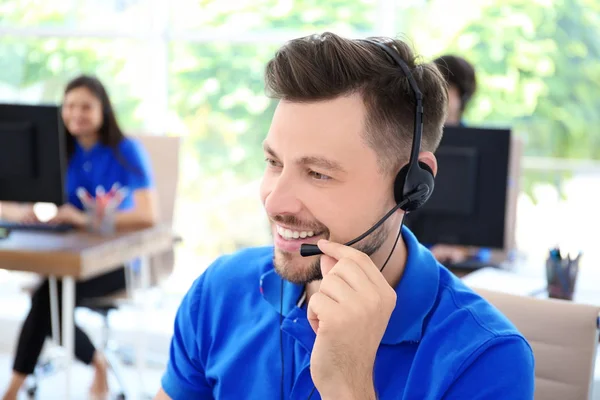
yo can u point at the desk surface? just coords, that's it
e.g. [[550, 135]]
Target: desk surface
[[79, 254], [586, 287]]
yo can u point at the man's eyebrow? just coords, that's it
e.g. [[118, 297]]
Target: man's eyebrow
[[322, 162], [317, 161], [269, 150]]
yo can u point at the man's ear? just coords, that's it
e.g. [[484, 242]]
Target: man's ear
[[429, 159]]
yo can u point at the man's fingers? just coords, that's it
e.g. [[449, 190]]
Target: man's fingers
[[319, 306], [351, 273], [337, 289], [340, 251], [327, 264]]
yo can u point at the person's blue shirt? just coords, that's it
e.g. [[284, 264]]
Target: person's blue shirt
[[102, 166], [442, 340]]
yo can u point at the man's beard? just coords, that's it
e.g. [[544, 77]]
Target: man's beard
[[284, 261]]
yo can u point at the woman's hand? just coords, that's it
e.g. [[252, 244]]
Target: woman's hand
[[447, 253], [18, 212], [68, 214], [28, 216]]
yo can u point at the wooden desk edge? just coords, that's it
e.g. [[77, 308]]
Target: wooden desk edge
[[94, 261]]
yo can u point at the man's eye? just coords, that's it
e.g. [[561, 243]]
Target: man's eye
[[319, 176], [272, 162]]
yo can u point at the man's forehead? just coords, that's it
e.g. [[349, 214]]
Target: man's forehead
[[327, 122]]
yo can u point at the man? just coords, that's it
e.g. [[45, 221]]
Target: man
[[268, 323], [462, 84]]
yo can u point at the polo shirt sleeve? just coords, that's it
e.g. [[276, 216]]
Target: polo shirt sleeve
[[502, 368], [184, 377], [137, 166]]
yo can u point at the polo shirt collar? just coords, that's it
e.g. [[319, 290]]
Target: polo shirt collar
[[271, 289], [88, 152], [415, 294]]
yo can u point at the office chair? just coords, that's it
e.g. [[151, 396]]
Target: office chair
[[564, 337], [164, 157]]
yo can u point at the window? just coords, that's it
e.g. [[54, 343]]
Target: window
[[194, 68], [246, 16], [115, 15], [36, 70], [217, 94]]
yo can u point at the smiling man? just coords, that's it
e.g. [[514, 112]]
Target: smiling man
[[272, 323]]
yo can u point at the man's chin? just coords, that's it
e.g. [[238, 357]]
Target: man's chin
[[297, 269]]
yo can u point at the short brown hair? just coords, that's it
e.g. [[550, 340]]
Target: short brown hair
[[326, 66]]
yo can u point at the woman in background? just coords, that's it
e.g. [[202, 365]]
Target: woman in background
[[98, 155]]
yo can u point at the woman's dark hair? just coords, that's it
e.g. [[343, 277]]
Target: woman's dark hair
[[458, 72], [110, 133]]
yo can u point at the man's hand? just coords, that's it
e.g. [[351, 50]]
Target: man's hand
[[349, 315], [68, 214]]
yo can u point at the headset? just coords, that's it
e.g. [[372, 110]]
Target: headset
[[414, 183]]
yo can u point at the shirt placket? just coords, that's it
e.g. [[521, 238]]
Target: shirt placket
[[296, 325]]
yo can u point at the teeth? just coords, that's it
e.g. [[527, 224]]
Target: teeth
[[289, 234]]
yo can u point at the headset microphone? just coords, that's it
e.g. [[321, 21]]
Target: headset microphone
[[307, 250]]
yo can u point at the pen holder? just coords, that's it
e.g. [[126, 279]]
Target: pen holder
[[561, 276], [102, 223]]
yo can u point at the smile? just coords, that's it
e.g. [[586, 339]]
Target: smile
[[289, 234]]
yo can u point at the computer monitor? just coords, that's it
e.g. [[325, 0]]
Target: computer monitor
[[470, 202], [32, 154]]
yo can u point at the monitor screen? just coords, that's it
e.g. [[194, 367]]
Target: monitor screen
[[468, 203], [456, 182], [19, 158], [32, 154]]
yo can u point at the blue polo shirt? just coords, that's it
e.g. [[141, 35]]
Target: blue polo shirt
[[442, 340], [101, 165]]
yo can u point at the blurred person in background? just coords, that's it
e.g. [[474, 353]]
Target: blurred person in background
[[462, 84], [99, 154]]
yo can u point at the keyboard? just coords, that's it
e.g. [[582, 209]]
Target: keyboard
[[39, 227], [469, 265]]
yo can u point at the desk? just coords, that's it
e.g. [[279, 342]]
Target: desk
[[78, 256], [586, 288]]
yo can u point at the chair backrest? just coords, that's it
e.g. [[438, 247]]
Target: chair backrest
[[164, 158], [564, 337], [512, 200]]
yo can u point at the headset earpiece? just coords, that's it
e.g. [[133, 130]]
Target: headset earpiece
[[415, 180], [419, 178]]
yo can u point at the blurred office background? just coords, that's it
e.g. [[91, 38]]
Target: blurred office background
[[194, 68]]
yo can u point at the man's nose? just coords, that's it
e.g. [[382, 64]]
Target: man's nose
[[283, 197]]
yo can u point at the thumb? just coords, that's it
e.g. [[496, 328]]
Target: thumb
[[327, 263], [313, 320]]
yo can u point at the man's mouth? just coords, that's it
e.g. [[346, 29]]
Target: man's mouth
[[289, 234]]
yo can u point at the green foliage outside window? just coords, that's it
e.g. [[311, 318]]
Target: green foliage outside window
[[538, 65]]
